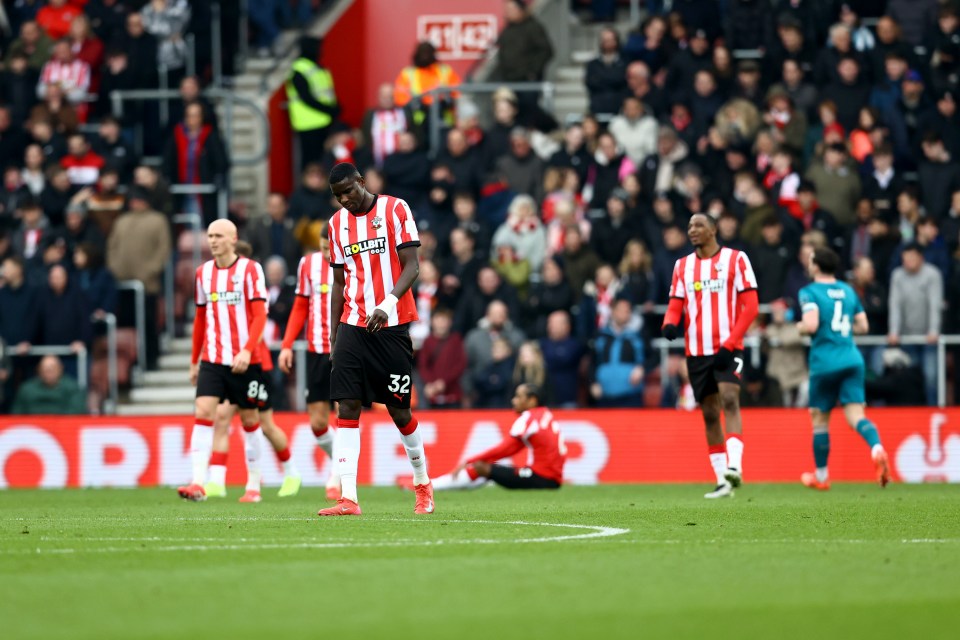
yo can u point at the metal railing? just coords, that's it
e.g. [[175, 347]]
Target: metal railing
[[110, 404], [755, 343], [328, 15], [230, 100], [140, 322], [61, 351], [546, 89], [195, 223], [223, 201]]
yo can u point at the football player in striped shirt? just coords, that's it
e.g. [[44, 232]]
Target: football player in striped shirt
[[231, 299], [715, 290], [373, 250], [312, 307], [274, 435]]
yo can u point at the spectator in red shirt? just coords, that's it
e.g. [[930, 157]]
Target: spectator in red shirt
[[83, 165], [441, 362], [55, 18], [87, 47]]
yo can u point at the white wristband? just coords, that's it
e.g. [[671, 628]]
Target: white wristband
[[388, 304]]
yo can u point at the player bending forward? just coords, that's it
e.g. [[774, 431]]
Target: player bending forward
[[534, 429], [715, 290], [373, 250], [836, 366], [313, 307], [231, 296]]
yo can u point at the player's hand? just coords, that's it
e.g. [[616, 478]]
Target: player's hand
[[194, 372], [285, 360], [893, 339], [376, 320], [932, 338], [670, 331], [723, 359], [241, 362]]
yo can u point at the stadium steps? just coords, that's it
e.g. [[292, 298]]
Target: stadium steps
[[166, 390], [250, 183], [570, 99]]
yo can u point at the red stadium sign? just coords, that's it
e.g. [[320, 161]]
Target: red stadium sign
[[605, 446], [458, 37]]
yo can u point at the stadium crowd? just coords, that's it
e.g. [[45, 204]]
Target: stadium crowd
[[547, 253], [79, 210], [547, 248]]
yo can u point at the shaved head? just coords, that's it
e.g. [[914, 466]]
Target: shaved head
[[222, 237], [224, 227]]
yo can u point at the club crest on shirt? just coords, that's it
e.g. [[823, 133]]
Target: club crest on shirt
[[235, 278], [377, 222]]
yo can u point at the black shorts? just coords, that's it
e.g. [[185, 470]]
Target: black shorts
[[704, 378], [318, 377], [241, 389], [524, 478], [265, 394], [373, 367]]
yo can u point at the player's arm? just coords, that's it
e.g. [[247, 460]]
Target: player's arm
[[258, 321], [671, 321], [298, 315], [410, 263], [336, 304], [508, 447], [810, 320], [861, 325], [199, 333]]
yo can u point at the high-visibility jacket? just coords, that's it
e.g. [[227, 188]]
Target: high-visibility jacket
[[302, 116], [414, 81]]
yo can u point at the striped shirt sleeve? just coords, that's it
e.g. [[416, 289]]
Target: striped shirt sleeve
[[303, 278], [746, 280], [200, 296], [256, 282], [405, 228]]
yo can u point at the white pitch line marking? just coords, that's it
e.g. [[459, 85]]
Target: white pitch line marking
[[592, 532]]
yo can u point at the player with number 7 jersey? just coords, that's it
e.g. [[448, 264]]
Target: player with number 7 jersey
[[715, 290], [373, 244]]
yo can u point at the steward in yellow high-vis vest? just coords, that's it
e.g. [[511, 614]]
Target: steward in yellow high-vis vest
[[426, 74], [311, 100]]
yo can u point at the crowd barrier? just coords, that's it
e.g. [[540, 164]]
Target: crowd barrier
[[610, 446]]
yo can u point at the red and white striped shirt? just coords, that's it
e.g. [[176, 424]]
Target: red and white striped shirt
[[227, 297], [315, 282], [73, 77], [367, 247], [709, 289], [385, 129]]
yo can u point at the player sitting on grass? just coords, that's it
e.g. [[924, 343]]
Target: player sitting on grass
[[534, 429], [836, 366]]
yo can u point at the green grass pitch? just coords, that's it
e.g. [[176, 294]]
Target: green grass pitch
[[652, 561]]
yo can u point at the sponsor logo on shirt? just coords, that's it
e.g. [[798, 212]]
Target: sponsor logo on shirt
[[713, 285], [373, 245], [228, 297], [321, 288]]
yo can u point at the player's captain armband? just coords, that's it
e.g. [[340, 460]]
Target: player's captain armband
[[388, 304], [810, 306]]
